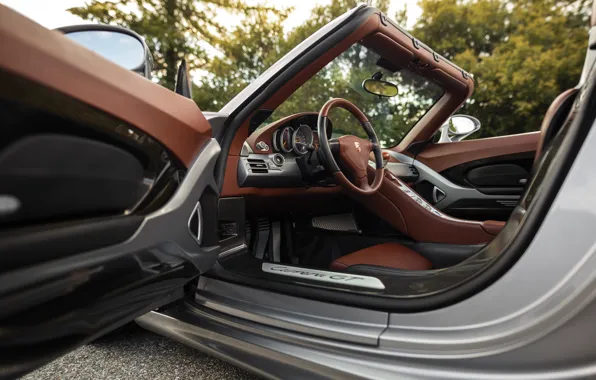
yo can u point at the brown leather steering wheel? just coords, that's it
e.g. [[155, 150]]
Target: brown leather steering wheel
[[353, 152]]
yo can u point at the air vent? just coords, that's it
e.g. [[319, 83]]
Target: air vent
[[509, 203], [195, 223], [257, 165]]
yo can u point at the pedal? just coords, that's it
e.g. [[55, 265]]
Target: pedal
[[261, 238], [275, 241], [336, 222]]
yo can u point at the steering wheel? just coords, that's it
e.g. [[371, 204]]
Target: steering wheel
[[353, 152]]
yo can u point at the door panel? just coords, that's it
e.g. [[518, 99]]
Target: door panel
[[477, 179], [84, 248], [497, 175], [48, 58], [104, 177], [441, 157]]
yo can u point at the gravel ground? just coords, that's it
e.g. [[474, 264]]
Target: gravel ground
[[134, 353]]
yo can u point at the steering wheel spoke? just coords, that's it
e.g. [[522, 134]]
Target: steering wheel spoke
[[334, 146]]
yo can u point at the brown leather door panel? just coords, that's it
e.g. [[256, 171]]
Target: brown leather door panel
[[440, 157], [477, 179], [38, 54]]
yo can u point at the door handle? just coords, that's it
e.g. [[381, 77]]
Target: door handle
[[438, 195]]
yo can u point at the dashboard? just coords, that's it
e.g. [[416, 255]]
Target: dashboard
[[283, 153], [288, 136], [278, 156]]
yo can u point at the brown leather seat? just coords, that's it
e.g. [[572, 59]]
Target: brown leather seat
[[388, 255], [554, 118]]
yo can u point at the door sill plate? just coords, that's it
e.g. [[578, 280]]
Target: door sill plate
[[323, 276]]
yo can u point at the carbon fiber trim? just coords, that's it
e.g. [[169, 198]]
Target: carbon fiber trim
[[337, 222]]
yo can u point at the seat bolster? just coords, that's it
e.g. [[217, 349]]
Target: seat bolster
[[389, 255]]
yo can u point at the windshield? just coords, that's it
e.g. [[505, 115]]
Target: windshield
[[391, 118]]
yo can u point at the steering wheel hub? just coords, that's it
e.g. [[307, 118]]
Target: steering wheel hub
[[352, 152]]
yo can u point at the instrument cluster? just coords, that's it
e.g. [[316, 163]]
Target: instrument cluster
[[298, 136], [298, 140]]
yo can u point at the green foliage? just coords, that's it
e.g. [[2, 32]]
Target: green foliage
[[392, 117], [257, 43], [522, 53], [243, 55], [173, 29]]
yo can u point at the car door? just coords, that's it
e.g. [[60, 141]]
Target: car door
[[478, 179], [107, 195]]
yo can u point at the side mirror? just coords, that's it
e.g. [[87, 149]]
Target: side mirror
[[458, 127], [380, 87], [119, 45]]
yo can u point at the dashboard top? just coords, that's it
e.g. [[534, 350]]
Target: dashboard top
[[290, 135]]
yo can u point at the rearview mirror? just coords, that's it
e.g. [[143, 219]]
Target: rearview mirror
[[380, 87], [458, 127], [119, 45]]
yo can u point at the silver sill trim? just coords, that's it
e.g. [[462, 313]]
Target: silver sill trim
[[323, 276], [293, 314]]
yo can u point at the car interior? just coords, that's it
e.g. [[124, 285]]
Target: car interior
[[320, 190], [346, 175]]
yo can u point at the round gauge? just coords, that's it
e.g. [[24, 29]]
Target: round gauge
[[285, 139], [302, 139], [274, 141]]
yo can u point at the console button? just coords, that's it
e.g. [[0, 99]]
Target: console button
[[262, 146]]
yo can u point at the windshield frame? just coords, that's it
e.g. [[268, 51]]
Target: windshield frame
[[392, 124], [263, 80]]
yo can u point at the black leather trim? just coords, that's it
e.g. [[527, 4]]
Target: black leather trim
[[444, 255], [34, 245], [372, 135], [557, 121], [377, 270]]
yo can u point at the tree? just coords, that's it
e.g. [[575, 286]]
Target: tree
[[522, 54], [173, 29], [254, 45], [244, 53]]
